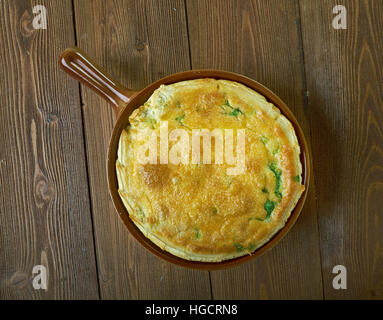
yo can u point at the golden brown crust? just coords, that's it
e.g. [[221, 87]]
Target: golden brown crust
[[198, 211]]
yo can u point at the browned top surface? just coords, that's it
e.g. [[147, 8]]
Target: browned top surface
[[209, 211]]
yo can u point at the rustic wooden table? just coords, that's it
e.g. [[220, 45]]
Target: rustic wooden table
[[54, 201]]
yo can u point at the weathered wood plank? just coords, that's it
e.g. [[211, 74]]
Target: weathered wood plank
[[44, 201], [138, 42], [344, 78], [261, 39]]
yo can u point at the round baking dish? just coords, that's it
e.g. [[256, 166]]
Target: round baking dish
[[124, 101]]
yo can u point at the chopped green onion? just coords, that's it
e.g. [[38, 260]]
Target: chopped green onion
[[197, 234], [264, 139], [276, 151], [235, 112], [278, 179], [231, 111], [180, 119], [269, 207]]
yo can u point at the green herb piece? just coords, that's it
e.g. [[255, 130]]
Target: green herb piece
[[269, 207], [178, 104], [272, 166], [197, 233], [264, 139], [276, 151], [278, 179], [297, 178], [238, 247], [229, 110], [215, 210], [235, 112], [180, 119], [264, 190], [251, 247]]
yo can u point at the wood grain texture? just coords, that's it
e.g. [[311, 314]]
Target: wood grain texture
[[331, 79], [261, 39], [44, 202], [137, 42], [345, 82]]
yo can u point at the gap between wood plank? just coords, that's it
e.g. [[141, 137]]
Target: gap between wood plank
[[305, 108], [86, 159]]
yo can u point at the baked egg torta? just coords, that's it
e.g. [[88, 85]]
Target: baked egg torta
[[200, 211]]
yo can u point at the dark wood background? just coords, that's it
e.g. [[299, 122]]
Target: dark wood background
[[55, 208]]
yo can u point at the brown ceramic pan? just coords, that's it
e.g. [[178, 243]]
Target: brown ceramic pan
[[124, 101]]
